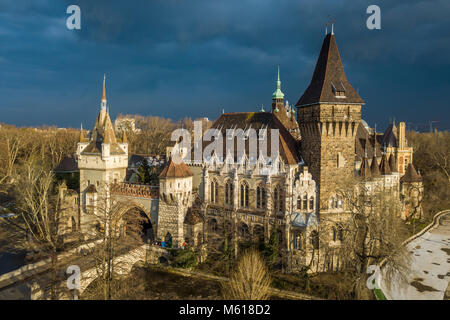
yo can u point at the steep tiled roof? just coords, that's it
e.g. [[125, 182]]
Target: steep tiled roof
[[289, 147], [68, 164], [411, 175], [364, 170], [390, 136], [363, 137], [393, 163], [173, 170], [384, 166], [103, 132], [329, 77], [374, 170]]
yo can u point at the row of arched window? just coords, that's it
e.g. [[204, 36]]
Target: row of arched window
[[302, 202], [336, 202], [244, 195]]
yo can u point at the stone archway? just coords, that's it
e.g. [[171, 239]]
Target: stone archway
[[137, 215]]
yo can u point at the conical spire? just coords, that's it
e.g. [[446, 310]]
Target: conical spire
[[393, 163], [278, 94], [411, 175], [104, 93], [374, 166], [124, 137], [329, 78], [81, 133], [384, 166], [364, 170]]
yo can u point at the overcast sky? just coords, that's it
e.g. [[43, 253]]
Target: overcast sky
[[176, 58]]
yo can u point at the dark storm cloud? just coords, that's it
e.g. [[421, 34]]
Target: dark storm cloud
[[180, 58]]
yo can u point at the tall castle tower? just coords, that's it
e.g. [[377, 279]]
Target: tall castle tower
[[329, 112], [102, 159]]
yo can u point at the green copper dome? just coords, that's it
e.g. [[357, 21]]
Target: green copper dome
[[278, 94]]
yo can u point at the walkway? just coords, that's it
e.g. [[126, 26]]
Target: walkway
[[429, 274]]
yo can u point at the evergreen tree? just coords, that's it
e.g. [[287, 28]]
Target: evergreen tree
[[143, 172]]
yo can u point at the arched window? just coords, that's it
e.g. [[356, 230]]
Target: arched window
[[333, 233], [311, 203], [244, 195], [229, 192], [340, 234], [331, 203], [260, 197], [214, 192], [305, 202], [278, 199], [299, 202], [315, 239], [297, 241]]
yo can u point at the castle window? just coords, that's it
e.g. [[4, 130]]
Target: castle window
[[244, 195], [333, 233], [278, 199], [297, 241], [214, 192], [260, 197], [305, 202], [311, 203], [340, 233], [229, 192], [299, 202]]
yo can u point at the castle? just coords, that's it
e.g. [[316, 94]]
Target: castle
[[322, 145]]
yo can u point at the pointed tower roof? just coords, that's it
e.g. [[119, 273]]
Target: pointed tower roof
[[385, 169], [104, 88], [278, 94], [328, 78], [393, 163], [411, 175], [374, 170], [103, 131], [124, 137], [173, 170], [364, 170]]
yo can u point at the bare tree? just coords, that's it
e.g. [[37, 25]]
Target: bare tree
[[40, 209], [250, 280], [370, 232]]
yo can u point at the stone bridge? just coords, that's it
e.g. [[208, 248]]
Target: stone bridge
[[34, 281]]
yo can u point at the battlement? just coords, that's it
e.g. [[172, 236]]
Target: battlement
[[135, 190]]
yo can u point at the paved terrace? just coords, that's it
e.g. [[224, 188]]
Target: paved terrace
[[429, 274]]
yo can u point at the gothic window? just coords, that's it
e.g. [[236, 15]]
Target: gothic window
[[340, 234], [333, 233], [244, 195], [214, 192], [305, 202], [311, 203], [278, 199], [260, 197], [299, 202], [315, 239], [297, 241], [229, 193]]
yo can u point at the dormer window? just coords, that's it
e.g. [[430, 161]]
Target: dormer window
[[339, 90]]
